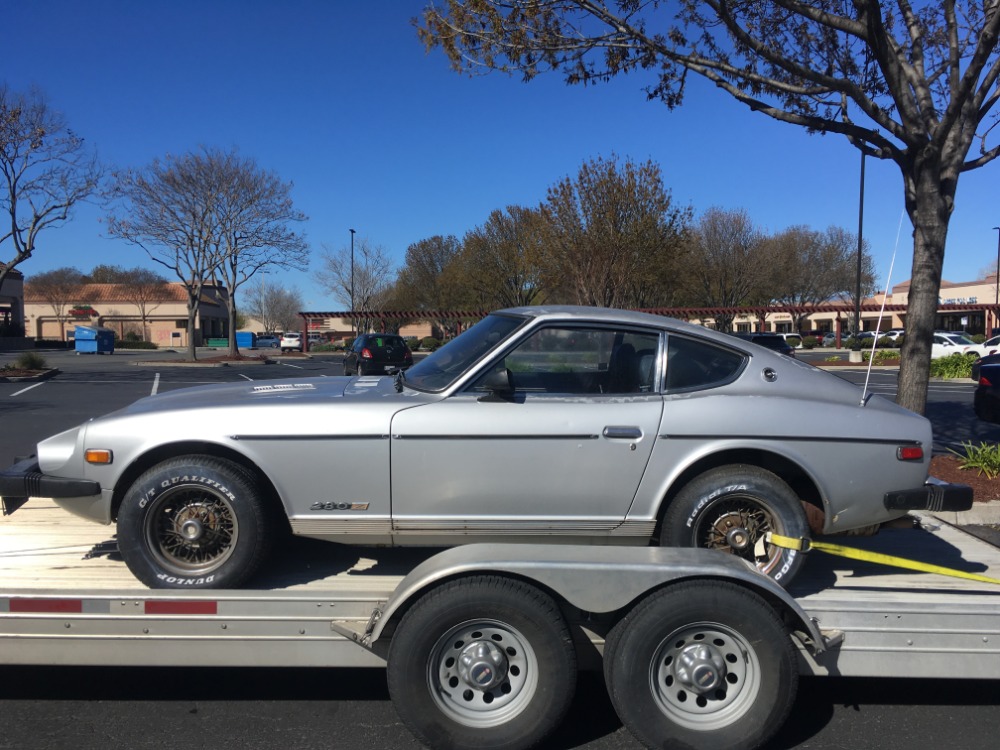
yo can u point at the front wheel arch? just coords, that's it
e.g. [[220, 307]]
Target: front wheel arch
[[173, 450]]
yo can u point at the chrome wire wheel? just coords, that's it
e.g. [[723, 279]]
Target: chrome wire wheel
[[705, 676], [737, 524], [482, 673], [191, 530]]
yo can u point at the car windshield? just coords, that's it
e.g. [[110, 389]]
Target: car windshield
[[446, 365]]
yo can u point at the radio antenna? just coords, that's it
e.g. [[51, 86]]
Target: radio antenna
[[881, 312]]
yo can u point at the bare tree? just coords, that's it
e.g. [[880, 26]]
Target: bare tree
[[915, 85], [616, 237], [727, 263], [47, 170], [255, 209], [59, 287], [366, 278], [147, 290], [274, 306], [169, 209]]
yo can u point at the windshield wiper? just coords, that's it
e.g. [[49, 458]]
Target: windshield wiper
[[399, 380]]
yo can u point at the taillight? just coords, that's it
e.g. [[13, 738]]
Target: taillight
[[910, 453], [407, 356], [365, 354], [983, 380]]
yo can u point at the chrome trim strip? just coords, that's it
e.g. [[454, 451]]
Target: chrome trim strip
[[308, 437], [495, 437], [797, 438]]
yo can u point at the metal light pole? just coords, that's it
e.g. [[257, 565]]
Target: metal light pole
[[996, 286], [352, 283]]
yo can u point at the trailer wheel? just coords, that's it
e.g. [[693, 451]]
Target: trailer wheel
[[193, 522], [482, 662], [731, 508], [704, 665]]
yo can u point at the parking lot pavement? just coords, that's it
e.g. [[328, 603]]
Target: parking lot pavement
[[91, 385]]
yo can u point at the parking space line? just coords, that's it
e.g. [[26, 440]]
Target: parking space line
[[25, 390], [297, 367], [156, 384], [246, 376]]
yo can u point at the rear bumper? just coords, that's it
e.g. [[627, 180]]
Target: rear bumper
[[935, 495], [25, 479]]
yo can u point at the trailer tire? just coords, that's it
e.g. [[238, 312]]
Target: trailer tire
[[194, 522], [731, 508], [701, 665], [484, 662]]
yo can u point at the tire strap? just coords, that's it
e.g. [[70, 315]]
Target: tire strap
[[853, 553]]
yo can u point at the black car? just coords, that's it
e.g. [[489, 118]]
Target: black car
[[986, 372], [769, 341], [377, 354]]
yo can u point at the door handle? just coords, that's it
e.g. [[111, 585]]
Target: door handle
[[622, 433]]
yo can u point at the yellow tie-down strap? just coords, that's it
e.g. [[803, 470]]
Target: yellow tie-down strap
[[852, 553]]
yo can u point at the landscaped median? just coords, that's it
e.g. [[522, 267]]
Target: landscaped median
[[27, 367]]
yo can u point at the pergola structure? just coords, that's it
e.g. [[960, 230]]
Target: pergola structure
[[844, 311]]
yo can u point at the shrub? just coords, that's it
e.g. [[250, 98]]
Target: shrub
[[324, 347], [430, 343], [881, 356], [985, 458], [956, 365], [31, 361], [810, 342], [128, 343]]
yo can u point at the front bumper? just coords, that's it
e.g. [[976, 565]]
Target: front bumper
[[934, 496], [25, 479]]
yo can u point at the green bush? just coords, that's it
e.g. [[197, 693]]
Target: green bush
[[810, 342], [31, 361], [984, 458], [127, 343], [979, 338], [430, 343], [953, 366], [881, 357], [325, 347]]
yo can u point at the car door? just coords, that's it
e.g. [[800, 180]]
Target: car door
[[561, 454]]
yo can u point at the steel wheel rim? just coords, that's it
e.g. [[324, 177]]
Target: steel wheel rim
[[451, 677], [721, 526], [705, 676], [191, 529]]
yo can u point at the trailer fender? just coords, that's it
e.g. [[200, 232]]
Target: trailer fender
[[592, 579]]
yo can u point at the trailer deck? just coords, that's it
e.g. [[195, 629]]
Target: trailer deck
[[65, 598]]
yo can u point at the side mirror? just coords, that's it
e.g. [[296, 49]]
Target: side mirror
[[498, 385]]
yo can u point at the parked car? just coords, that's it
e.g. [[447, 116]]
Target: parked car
[[314, 339], [946, 343], [986, 401], [291, 341], [377, 354], [794, 340], [990, 346], [773, 341], [268, 342], [564, 423]]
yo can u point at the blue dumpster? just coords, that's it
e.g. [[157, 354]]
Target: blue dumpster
[[94, 340], [246, 339]]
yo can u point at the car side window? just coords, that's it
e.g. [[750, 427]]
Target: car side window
[[583, 361], [693, 364]]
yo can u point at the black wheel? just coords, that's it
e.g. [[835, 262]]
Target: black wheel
[[731, 508], [482, 662], [702, 664], [194, 522]]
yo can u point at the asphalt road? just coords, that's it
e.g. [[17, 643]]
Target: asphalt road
[[250, 709]]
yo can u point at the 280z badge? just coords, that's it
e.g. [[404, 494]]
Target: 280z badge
[[338, 506]]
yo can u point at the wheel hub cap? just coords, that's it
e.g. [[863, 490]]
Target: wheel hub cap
[[700, 668], [482, 665], [192, 530], [738, 539]]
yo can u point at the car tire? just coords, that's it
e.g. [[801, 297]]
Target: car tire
[[194, 522], [509, 634], [731, 508], [701, 664]]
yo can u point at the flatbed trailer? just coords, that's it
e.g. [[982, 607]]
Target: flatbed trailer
[[65, 599]]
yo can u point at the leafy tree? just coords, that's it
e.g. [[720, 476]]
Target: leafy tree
[[912, 85], [727, 263], [274, 306], [615, 236], [427, 280], [47, 169], [59, 287], [501, 260], [809, 267], [363, 280]]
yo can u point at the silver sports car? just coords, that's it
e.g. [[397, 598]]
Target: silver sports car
[[558, 424]]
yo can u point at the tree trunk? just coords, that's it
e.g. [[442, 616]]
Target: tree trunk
[[192, 318], [231, 309], [929, 203]]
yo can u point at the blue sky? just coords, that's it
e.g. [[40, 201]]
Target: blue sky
[[340, 98]]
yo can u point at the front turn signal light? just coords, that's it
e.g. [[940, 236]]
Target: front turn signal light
[[94, 456]]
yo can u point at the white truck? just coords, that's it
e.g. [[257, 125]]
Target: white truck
[[482, 643]]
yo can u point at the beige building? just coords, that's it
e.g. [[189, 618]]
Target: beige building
[[11, 297], [108, 305]]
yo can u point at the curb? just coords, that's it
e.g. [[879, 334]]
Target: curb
[[44, 375], [981, 514], [199, 363]]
